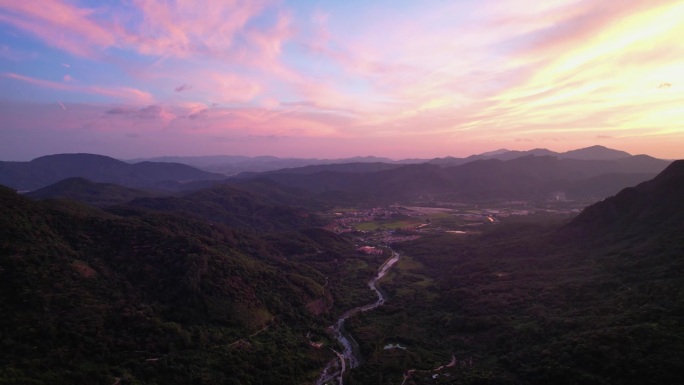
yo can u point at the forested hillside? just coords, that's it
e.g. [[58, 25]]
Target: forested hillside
[[238, 284], [129, 295], [599, 300]]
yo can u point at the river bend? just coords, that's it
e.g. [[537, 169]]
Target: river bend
[[348, 358]]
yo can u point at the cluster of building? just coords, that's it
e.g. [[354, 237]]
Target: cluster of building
[[346, 220], [370, 250]]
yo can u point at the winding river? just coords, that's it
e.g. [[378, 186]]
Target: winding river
[[337, 367]]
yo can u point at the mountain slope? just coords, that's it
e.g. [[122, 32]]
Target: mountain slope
[[131, 296], [235, 207], [655, 204], [597, 301], [83, 190]]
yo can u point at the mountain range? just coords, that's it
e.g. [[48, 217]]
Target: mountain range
[[233, 165], [587, 174], [527, 177], [588, 153]]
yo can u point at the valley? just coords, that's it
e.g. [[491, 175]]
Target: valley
[[336, 369], [251, 281], [387, 224], [284, 192]]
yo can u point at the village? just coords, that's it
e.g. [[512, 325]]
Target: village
[[398, 222]]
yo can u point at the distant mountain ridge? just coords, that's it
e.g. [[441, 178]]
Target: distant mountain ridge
[[526, 177], [50, 169], [235, 164], [232, 165], [588, 153], [500, 174]]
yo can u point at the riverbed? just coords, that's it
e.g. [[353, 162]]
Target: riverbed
[[349, 357]]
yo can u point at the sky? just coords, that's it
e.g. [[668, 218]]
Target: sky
[[330, 79]]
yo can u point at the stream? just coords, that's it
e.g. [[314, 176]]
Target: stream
[[348, 358]]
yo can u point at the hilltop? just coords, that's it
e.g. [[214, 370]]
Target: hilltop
[[50, 169]]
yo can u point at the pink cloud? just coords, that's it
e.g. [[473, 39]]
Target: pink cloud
[[190, 109], [322, 94], [175, 28], [60, 25], [270, 41], [124, 93], [475, 72], [86, 128], [215, 29], [181, 27], [229, 88], [257, 122]]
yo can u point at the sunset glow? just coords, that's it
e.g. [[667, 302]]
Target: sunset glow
[[329, 79]]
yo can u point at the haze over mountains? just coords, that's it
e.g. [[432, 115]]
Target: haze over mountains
[[230, 165], [527, 177], [586, 174]]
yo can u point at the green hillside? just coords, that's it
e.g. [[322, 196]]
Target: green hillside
[[83, 190], [234, 207], [597, 301], [128, 295]]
